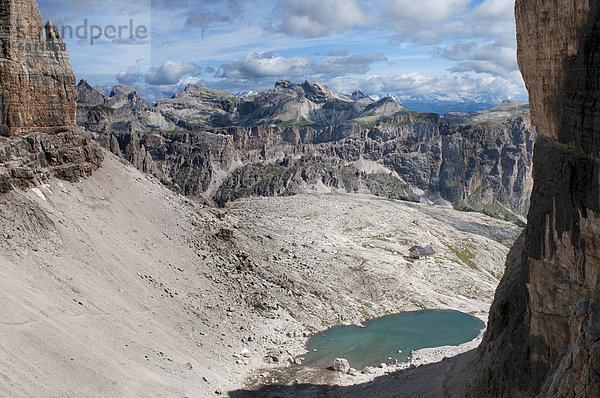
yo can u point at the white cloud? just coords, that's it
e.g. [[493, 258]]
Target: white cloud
[[348, 64], [421, 85], [490, 57], [170, 72], [495, 10], [495, 19], [264, 64], [317, 18], [492, 49], [130, 76], [203, 16], [337, 53], [426, 20], [456, 51]]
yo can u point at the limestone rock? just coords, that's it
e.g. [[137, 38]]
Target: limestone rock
[[196, 108], [33, 158], [475, 163], [88, 95], [37, 106], [341, 365], [479, 161], [37, 84], [535, 341]]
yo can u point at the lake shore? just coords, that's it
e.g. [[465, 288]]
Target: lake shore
[[297, 374]]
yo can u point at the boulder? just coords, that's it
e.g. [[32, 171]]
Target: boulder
[[341, 365]]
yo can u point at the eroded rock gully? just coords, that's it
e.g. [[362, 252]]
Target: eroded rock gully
[[544, 331]]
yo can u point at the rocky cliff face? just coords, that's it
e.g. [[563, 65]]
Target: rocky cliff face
[[306, 103], [37, 103], [480, 166], [101, 112], [37, 84], [544, 331], [479, 161], [31, 159]]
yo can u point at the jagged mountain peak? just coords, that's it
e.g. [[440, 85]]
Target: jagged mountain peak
[[307, 103], [389, 100], [124, 91], [245, 94], [316, 92], [192, 90], [87, 94], [384, 107], [37, 87], [358, 95], [125, 100], [84, 84], [283, 84]]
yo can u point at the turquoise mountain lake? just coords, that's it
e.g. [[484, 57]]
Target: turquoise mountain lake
[[383, 338]]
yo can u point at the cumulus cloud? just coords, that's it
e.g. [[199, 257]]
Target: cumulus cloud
[[494, 19], [493, 48], [130, 76], [456, 51], [421, 85], [426, 20], [170, 72], [489, 57], [265, 64], [317, 18]]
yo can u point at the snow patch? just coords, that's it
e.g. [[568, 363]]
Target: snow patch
[[39, 194]]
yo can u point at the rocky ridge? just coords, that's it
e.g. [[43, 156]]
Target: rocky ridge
[[199, 108], [544, 331], [479, 161], [31, 159]]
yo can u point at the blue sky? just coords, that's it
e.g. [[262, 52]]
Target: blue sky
[[455, 49]]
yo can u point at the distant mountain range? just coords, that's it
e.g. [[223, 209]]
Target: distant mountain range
[[287, 104], [440, 104], [298, 137], [443, 104], [195, 108]]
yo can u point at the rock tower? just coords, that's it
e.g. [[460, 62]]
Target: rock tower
[[37, 83], [544, 329]]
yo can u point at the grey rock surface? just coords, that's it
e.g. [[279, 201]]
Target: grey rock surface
[[341, 365]]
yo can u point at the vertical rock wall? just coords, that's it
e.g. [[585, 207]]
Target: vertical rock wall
[[37, 84], [543, 335], [38, 133]]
